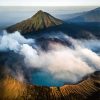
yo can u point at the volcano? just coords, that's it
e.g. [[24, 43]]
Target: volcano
[[37, 22]]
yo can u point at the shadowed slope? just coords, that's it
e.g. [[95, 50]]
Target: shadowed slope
[[89, 16], [89, 89]]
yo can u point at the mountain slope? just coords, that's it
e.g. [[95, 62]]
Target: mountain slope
[[37, 22], [43, 22], [66, 17], [90, 16], [89, 89]]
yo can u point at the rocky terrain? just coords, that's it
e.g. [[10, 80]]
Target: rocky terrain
[[88, 89]]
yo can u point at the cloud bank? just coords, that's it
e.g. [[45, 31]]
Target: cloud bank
[[62, 62]]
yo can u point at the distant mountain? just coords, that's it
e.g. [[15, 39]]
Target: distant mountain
[[66, 17], [89, 16], [37, 22], [88, 89], [43, 22]]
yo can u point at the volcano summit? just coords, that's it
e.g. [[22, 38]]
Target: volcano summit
[[37, 22]]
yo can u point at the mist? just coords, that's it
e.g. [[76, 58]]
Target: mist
[[58, 65]]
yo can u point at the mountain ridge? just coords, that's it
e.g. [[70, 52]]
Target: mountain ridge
[[89, 16], [88, 89], [43, 22]]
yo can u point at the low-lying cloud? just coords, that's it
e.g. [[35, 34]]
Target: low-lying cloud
[[12, 41], [63, 62]]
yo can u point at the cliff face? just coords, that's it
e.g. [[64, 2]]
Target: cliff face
[[89, 89], [37, 22]]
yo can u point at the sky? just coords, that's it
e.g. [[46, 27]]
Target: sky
[[49, 2]]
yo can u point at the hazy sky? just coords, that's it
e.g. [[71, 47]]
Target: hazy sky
[[50, 2]]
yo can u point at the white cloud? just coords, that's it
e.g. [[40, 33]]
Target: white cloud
[[63, 62]]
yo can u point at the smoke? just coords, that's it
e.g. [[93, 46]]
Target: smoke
[[66, 64], [12, 41], [61, 61]]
